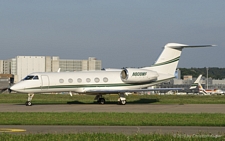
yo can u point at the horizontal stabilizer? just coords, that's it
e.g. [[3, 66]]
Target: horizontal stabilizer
[[181, 46]]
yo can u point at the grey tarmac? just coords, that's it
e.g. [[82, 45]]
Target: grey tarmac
[[134, 108], [56, 129]]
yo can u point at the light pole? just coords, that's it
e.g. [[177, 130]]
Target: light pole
[[207, 75]]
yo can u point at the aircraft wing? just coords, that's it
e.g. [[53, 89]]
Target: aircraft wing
[[131, 90]]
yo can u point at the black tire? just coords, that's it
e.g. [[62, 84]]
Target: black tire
[[101, 100], [123, 102], [28, 103]]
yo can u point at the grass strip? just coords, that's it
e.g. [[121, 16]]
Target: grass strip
[[108, 137], [133, 99], [112, 119]]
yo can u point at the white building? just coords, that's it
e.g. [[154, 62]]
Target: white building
[[7, 66], [94, 64], [1, 66], [24, 65], [79, 65], [28, 64]]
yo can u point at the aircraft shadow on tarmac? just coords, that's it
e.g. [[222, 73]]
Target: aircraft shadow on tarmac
[[140, 101]]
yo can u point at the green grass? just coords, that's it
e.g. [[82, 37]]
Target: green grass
[[112, 119], [108, 137], [112, 99], [122, 119]]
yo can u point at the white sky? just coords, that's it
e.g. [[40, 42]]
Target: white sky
[[121, 33]]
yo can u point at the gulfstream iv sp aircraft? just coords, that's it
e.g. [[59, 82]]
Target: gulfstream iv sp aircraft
[[111, 81]]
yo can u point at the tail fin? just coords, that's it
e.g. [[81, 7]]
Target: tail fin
[[169, 58], [197, 85]]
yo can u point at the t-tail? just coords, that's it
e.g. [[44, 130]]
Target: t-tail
[[169, 58], [197, 85]]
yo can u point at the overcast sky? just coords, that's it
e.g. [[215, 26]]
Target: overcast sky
[[121, 33]]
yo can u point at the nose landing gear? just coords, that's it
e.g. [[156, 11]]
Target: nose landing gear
[[29, 99]]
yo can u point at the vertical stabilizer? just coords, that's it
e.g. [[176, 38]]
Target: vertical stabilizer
[[169, 58], [197, 85]]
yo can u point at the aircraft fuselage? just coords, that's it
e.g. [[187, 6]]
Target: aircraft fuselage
[[78, 82]]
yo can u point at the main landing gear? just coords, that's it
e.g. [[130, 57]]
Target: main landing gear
[[100, 99], [121, 99], [29, 99]]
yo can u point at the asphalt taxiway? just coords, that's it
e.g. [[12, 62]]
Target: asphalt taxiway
[[55, 129], [134, 108]]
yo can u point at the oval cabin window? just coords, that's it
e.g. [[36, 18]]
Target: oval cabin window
[[70, 80], [105, 79], [88, 80], [79, 80], [61, 80], [97, 80]]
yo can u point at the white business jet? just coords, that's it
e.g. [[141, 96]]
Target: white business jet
[[201, 90], [109, 81]]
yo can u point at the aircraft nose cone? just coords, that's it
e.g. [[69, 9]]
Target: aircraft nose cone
[[12, 88], [15, 88]]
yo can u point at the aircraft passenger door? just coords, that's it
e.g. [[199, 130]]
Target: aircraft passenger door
[[45, 82]]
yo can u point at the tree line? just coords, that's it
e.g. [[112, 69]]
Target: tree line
[[214, 73]]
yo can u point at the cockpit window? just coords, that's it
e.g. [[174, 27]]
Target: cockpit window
[[35, 77], [31, 77]]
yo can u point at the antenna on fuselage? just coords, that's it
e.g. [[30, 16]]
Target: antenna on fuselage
[[59, 70]]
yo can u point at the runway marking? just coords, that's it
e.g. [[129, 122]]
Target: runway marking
[[11, 130]]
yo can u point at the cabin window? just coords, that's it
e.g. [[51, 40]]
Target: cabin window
[[88, 80], [61, 80], [70, 80], [97, 80], [105, 79], [35, 77], [79, 80]]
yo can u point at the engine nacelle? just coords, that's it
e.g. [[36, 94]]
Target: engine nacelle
[[132, 75]]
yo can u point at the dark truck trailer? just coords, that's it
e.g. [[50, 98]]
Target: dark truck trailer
[[6, 80]]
